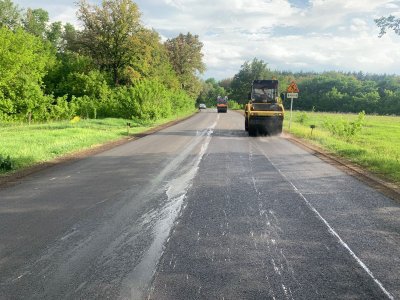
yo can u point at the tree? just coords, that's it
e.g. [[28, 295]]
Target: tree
[[54, 35], [107, 33], [149, 59], [390, 22], [249, 71], [24, 61], [10, 14], [70, 39], [64, 78], [210, 91], [186, 58], [226, 84], [35, 22]]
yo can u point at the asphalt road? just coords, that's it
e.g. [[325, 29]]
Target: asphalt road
[[198, 211]]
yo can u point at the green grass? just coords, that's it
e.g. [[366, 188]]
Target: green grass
[[31, 144], [376, 147]]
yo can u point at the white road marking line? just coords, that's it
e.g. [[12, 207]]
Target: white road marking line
[[176, 190], [102, 201], [22, 275], [254, 184], [331, 230], [81, 286], [68, 235]]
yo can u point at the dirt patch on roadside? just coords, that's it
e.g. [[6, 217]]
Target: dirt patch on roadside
[[383, 185], [13, 178]]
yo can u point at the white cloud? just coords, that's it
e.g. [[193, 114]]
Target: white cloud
[[334, 34], [330, 13], [174, 3], [63, 10], [359, 25], [319, 35], [65, 14]]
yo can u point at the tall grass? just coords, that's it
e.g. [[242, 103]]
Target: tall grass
[[376, 146]]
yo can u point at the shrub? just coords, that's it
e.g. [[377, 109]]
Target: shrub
[[302, 118], [127, 103], [181, 102], [61, 109], [24, 61], [234, 105], [6, 164], [85, 106], [345, 128]]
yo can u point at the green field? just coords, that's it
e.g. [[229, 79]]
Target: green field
[[376, 147], [31, 144]]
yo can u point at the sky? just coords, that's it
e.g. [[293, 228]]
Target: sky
[[289, 35]]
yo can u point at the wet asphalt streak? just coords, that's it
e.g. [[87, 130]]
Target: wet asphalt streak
[[198, 211]]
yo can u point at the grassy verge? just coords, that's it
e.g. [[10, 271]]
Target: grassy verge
[[376, 147], [28, 145], [233, 105]]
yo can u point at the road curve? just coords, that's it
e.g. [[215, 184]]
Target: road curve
[[198, 211]]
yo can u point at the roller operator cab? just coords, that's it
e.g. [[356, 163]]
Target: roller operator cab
[[264, 112]]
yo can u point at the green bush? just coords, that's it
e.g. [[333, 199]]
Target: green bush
[[150, 100], [154, 100], [302, 118], [181, 102], [7, 109], [6, 164], [345, 128], [24, 61], [85, 106], [234, 105], [147, 100], [61, 109], [126, 101]]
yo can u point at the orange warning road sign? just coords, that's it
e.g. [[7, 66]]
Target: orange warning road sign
[[292, 88]]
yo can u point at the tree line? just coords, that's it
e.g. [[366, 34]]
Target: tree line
[[111, 66], [327, 91]]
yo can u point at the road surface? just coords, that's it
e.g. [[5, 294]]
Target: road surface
[[198, 211]]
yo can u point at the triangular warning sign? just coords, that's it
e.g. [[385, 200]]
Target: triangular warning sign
[[292, 88]]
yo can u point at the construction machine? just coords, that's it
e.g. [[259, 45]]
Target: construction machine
[[222, 104], [264, 112]]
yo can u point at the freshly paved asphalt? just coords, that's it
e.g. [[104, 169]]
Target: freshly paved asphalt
[[198, 211]]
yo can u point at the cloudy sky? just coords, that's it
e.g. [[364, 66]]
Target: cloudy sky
[[290, 35]]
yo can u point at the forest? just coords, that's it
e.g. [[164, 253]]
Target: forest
[[112, 66], [325, 92]]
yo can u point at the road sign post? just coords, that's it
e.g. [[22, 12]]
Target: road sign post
[[292, 93], [291, 96], [291, 112]]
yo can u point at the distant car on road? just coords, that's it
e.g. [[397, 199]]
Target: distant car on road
[[202, 106]]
